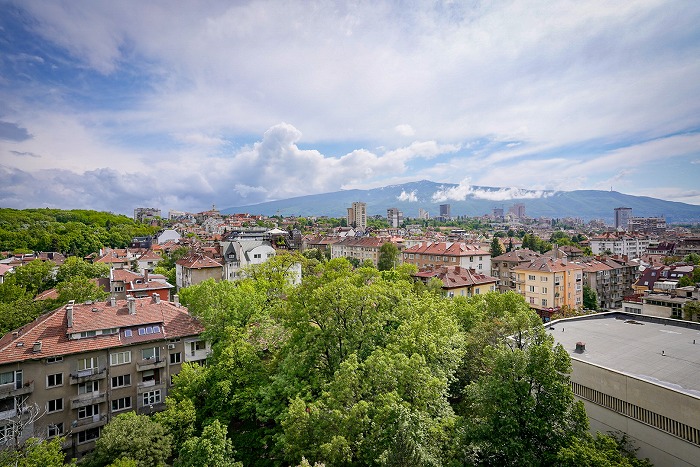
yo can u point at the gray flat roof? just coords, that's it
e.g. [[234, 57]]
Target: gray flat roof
[[658, 350]]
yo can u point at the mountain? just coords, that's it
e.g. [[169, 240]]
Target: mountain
[[475, 201]]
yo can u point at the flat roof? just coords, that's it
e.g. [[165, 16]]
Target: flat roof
[[659, 350]]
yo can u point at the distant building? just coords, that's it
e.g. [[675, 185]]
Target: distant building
[[357, 216], [502, 267], [498, 213], [632, 245], [434, 254], [548, 284], [394, 217], [517, 210], [445, 213], [146, 214], [649, 225], [622, 218], [459, 281], [423, 214], [361, 248]]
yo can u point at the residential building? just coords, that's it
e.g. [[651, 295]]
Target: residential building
[[498, 213], [638, 375], [148, 260], [622, 218], [632, 245], [502, 267], [82, 364], [239, 254], [361, 248], [549, 284], [517, 210], [458, 281], [196, 267], [610, 278], [357, 216], [423, 214], [394, 217], [428, 255], [146, 214], [648, 225], [661, 278], [168, 235], [687, 245]]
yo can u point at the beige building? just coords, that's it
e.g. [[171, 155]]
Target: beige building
[[638, 375], [362, 248], [428, 255], [357, 216], [548, 284], [502, 267], [458, 281], [73, 369]]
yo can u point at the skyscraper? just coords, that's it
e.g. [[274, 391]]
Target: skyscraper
[[622, 218], [445, 212], [357, 215], [394, 217]]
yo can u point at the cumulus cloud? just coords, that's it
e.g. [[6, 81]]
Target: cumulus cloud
[[408, 196], [465, 190], [405, 130]]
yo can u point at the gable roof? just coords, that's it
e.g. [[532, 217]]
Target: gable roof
[[456, 276], [446, 249]]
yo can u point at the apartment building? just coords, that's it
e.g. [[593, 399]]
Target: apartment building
[[502, 267], [548, 284], [362, 248], [428, 255], [73, 369], [195, 268], [394, 217], [610, 278], [458, 281], [357, 216], [632, 245]]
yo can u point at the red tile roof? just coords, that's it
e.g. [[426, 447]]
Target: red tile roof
[[198, 260], [446, 249], [51, 328], [455, 276]]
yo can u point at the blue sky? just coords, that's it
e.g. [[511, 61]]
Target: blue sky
[[113, 105]]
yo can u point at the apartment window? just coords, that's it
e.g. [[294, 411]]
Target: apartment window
[[121, 404], [121, 381], [543, 278], [544, 302], [90, 386], [119, 288], [531, 277], [6, 433], [175, 358], [153, 352], [197, 345], [88, 435], [257, 255], [120, 358], [88, 411], [54, 359], [531, 288], [54, 380], [7, 377], [544, 289], [55, 405], [88, 334], [148, 375], [127, 332], [55, 429], [151, 397], [87, 363]]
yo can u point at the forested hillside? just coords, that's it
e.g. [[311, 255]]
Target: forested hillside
[[73, 232]]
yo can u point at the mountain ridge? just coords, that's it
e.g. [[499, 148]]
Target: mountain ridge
[[475, 201]]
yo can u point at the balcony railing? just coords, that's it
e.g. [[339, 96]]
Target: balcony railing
[[82, 424], [150, 386], [11, 389], [88, 399], [89, 374], [150, 364]]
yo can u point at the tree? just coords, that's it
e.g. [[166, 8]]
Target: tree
[[136, 437], [35, 276], [590, 298], [74, 266], [692, 258], [388, 256], [496, 248], [212, 449], [600, 451], [80, 289], [36, 453], [691, 310], [523, 410]]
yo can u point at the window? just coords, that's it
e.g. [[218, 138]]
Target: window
[[148, 375], [7, 377], [54, 380], [121, 381], [151, 353], [257, 255], [175, 358], [87, 363], [152, 397], [544, 289], [531, 288], [120, 358], [55, 405], [127, 332], [88, 435], [119, 288], [544, 302], [88, 334], [90, 386], [55, 429], [530, 277], [543, 278], [121, 404], [54, 359], [197, 345], [88, 411]]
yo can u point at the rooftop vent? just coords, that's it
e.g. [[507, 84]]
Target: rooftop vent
[[580, 347], [113, 301], [37, 346], [131, 304]]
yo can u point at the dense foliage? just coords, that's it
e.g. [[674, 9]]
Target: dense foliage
[[74, 232]]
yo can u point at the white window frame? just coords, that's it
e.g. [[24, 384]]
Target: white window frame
[[123, 378], [120, 358], [55, 385]]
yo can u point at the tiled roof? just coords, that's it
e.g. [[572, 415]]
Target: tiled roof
[[548, 264], [150, 285], [124, 275], [369, 242], [197, 261], [520, 255], [150, 255], [446, 249], [51, 328], [455, 276]]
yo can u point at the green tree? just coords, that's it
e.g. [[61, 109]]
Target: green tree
[[212, 449], [523, 411], [133, 436], [692, 258], [600, 451], [36, 453], [80, 289], [388, 256], [179, 419], [691, 310], [496, 248], [590, 298], [35, 276], [74, 266]]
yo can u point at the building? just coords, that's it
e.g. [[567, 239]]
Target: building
[[502, 267], [83, 364], [146, 214], [423, 214], [549, 284], [661, 278], [517, 210], [197, 267], [632, 245], [622, 218], [610, 278], [458, 281], [638, 374], [361, 248], [428, 255], [687, 245], [394, 217], [648, 225], [357, 216], [498, 213], [445, 214]]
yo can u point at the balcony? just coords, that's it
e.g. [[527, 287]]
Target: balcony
[[150, 386], [8, 414], [150, 408], [11, 389], [88, 399], [150, 364], [89, 374], [86, 423]]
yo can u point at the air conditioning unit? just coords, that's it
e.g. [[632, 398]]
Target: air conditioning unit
[[171, 346]]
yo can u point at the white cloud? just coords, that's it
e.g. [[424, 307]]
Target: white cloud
[[405, 130], [408, 196], [465, 190]]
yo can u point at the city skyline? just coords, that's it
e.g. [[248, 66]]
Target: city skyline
[[110, 106]]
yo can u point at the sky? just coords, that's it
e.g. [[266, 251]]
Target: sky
[[183, 105]]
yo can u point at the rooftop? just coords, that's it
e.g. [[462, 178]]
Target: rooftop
[[659, 350]]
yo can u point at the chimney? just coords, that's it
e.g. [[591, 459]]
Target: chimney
[[176, 299], [131, 304], [580, 347], [156, 298], [145, 276], [113, 301], [69, 315], [37, 347]]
